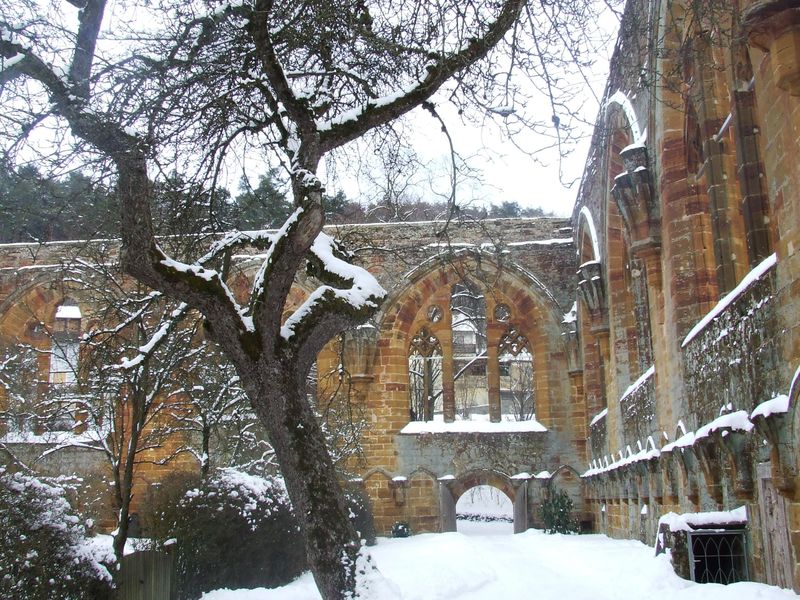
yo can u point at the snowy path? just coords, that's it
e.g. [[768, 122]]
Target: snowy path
[[484, 561]]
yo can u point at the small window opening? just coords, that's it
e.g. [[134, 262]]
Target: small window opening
[[717, 556]]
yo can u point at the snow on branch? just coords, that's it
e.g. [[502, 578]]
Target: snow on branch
[[279, 236], [155, 340], [331, 267]]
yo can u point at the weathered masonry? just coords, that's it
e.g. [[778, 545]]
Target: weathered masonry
[[644, 354], [467, 376], [687, 227]]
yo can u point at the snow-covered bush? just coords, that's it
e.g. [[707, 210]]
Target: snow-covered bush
[[44, 552], [556, 513], [361, 514], [233, 530]]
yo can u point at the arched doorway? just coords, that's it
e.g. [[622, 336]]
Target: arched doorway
[[451, 491], [485, 510]]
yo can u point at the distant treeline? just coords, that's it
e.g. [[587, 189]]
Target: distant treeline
[[34, 208]]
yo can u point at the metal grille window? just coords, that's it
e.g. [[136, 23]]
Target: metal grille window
[[718, 556]]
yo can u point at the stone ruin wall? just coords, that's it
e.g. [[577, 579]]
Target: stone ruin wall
[[527, 264]]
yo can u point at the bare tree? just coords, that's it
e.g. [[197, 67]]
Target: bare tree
[[190, 86]]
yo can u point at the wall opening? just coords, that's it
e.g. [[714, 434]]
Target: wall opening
[[485, 510], [717, 556], [468, 310]]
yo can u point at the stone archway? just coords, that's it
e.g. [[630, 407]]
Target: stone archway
[[451, 489]]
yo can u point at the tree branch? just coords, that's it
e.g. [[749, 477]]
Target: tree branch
[[380, 112]]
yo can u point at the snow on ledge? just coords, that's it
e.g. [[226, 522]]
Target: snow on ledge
[[644, 454], [639, 382], [423, 427], [686, 440], [599, 417], [692, 521], [550, 242], [740, 420], [621, 99], [779, 404], [752, 277], [737, 421], [68, 311]]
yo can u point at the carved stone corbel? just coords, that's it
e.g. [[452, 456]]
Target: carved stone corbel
[[774, 27], [668, 463], [708, 457], [359, 350], [686, 459], [777, 430], [593, 293], [399, 488], [633, 192], [736, 447], [570, 336], [654, 480]]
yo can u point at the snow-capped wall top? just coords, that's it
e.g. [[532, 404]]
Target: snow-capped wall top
[[692, 521], [752, 277]]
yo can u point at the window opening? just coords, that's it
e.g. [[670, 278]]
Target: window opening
[[425, 376], [468, 310], [484, 509], [64, 362], [65, 344], [717, 556], [516, 377]]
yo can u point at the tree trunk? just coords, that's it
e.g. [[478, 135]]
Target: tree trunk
[[205, 463], [331, 541]]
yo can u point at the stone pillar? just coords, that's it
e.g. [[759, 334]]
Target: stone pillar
[[521, 507], [603, 337], [580, 416], [447, 508], [448, 386], [493, 371]]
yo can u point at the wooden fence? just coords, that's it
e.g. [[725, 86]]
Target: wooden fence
[[147, 575]]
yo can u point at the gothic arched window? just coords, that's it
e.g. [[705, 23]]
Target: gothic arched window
[[468, 314], [517, 389], [425, 376]]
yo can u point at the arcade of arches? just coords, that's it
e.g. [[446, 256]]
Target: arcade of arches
[[644, 355]]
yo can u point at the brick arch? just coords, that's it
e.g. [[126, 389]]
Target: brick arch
[[569, 478], [592, 327], [46, 280], [407, 306], [36, 301], [461, 485], [534, 312], [452, 490]]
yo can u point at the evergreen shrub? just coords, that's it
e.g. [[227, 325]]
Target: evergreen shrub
[[556, 513]]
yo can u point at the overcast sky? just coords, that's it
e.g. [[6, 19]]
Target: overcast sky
[[508, 173]]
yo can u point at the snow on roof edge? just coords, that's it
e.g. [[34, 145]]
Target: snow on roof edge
[[693, 521]]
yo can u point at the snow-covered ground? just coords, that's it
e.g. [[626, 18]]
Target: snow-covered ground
[[484, 561]]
